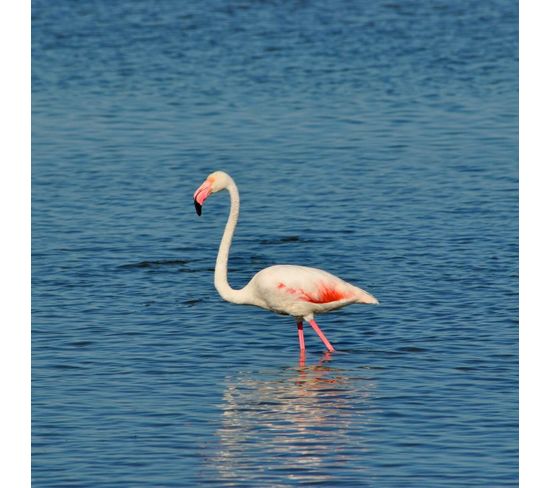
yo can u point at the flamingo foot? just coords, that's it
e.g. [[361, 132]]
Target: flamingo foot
[[321, 335], [301, 336]]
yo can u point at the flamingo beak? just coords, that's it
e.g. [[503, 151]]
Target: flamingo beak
[[198, 208], [202, 193]]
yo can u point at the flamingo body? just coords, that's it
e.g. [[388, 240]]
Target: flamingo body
[[286, 289], [301, 291]]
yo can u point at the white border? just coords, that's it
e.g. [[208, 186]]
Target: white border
[[15, 199], [534, 243]]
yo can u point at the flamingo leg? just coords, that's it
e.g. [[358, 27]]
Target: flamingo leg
[[302, 361], [301, 336], [321, 335]]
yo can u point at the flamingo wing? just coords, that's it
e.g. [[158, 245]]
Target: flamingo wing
[[313, 285], [300, 290]]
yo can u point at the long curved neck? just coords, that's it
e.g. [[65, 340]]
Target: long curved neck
[[220, 275]]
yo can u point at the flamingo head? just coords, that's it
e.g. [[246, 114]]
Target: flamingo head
[[215, 182]]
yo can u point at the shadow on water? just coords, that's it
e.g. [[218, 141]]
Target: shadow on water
[[155, 264], [283, 240], [298, 424], [166, 266]]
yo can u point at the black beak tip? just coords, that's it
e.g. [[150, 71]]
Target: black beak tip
[[198, 208]]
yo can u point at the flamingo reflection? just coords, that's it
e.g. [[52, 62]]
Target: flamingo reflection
[[295, 425]]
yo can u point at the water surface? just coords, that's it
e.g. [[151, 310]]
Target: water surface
[[377, 140]]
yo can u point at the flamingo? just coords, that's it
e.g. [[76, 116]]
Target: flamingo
[[298, 291]]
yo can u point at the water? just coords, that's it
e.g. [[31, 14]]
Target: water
[[377, 140]]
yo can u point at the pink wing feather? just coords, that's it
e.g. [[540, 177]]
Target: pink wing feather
[[310, 284], [320, 292]]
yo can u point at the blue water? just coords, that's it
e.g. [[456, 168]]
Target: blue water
[[376, 140]]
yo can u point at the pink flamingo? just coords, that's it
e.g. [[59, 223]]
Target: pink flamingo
[[286, 289]]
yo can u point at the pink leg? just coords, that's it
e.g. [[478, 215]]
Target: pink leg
[[321, 335], [301, 336], [302, 362]]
